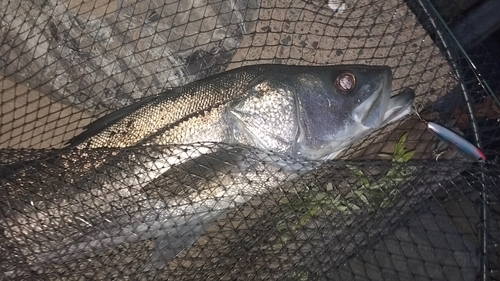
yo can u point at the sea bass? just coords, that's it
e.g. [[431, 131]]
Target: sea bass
[[299, 115], [302, 111]]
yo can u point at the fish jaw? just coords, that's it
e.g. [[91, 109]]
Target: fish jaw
[[370, 113], [399, 106]]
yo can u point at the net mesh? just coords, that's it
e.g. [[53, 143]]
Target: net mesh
[[138, 213]]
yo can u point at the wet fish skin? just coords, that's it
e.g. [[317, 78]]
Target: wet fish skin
[[305, 113], [261, 106], [188, 110], [139, 123], [295, 110]]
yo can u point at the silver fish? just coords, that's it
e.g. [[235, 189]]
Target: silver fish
[[304, 115], [309, 112]]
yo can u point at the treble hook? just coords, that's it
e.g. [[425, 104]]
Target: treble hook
[[451, 138]]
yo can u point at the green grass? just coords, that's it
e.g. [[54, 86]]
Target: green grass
[[367, 192]]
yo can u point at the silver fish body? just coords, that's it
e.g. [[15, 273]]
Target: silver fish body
[[304, 115], [307, 112]]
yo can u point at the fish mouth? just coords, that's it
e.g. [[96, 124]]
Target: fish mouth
[[380, 109], [371, 112], [399, 106], [395, 108]]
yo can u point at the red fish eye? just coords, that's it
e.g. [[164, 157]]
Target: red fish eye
[[345, 82]]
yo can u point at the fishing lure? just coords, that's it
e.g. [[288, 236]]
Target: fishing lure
[[456, 141]]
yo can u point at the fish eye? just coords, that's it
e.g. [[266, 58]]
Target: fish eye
[[345, 81]]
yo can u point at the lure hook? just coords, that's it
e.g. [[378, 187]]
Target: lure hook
[[451, 138]]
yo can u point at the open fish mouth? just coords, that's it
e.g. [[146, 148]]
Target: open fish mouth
[[380, 109], [370, 113], [399, 106]]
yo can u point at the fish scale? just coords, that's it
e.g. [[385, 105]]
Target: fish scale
[[269, 112], [133, 125]]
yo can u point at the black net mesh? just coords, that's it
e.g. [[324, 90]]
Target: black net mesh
[[384, 210]]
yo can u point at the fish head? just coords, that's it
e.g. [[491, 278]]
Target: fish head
[[338, 106], [314, 113]]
